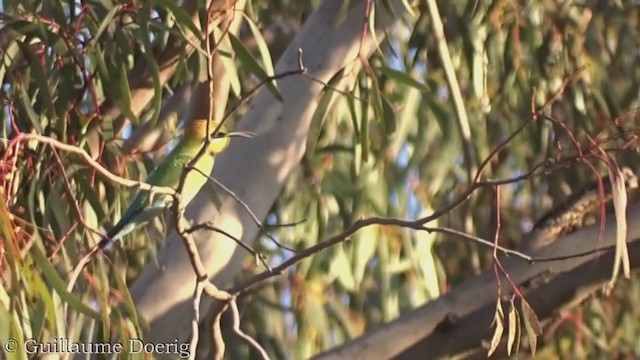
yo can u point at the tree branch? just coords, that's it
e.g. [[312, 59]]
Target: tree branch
[[464, 337], [401, 335], [270, 156]]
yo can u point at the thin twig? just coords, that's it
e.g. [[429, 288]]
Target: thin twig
[[454, 88], [303, 254], [72, 200], [418, 224], [302, 70], [247, 247], [535, 115], [248, 210], [219, 346], [479, 240], [253, 344], [96, 165], [195, 334]]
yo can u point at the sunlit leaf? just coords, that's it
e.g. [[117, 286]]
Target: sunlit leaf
[[128, 300], [365, 246], [226, 52], [104, 24], [8, 58], [364, 128], [401, 77], [619, 193], [151, 63], [498, 322], [531, 325], [265, 54], [59, 286], [28, 107], [252, 65], [341, 270], [182, 18], [322, 110], [513, 327]]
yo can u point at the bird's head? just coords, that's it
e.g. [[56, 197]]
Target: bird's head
[[221, 140], [197, 129]]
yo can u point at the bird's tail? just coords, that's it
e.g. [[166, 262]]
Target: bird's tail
[[114, 233], [110, 236]]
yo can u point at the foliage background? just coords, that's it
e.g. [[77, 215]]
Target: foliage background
[[389, 147]]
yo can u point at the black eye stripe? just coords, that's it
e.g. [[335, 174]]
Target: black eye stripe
[[220, 134]]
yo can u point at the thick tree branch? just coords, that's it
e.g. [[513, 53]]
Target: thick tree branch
[[282, 130], [417, 326], [557, 293]]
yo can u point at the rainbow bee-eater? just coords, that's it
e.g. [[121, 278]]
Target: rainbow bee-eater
[[167, 174]]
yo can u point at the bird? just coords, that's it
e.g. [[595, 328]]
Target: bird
[[167, 174]]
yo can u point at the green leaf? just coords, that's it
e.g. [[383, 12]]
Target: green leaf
[[150, 61], [337, 183], [401, 77], [388, 117], [8, 57], [124, 48], [425, 259], [128, 301], [16, 334], [317, 120], [225, 51], [89, 194], [340, 269], [31, 113], [5, 316], [35, 30], [364, 127], [182, 18], [365, 247], [56, 206], [65, 92], [124, 91], [250, 63], [106, 21], [376, 189], [96, 58], [374, 94], [58, 284], [262, 47], [8, 234], [55, 9], [355, 113], [39, 311]]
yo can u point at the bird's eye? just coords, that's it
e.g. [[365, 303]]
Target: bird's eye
[[219, 135]]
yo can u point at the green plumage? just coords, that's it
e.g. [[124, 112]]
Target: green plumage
[[167, 174]]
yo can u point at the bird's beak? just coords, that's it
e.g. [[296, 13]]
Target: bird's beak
[[242, 134]]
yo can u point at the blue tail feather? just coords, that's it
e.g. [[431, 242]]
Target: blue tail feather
[[112, 234]]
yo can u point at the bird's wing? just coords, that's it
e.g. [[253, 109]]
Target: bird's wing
[[167, 173]]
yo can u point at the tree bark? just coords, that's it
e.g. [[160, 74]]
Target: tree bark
[[256, 169], [427, 332]]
